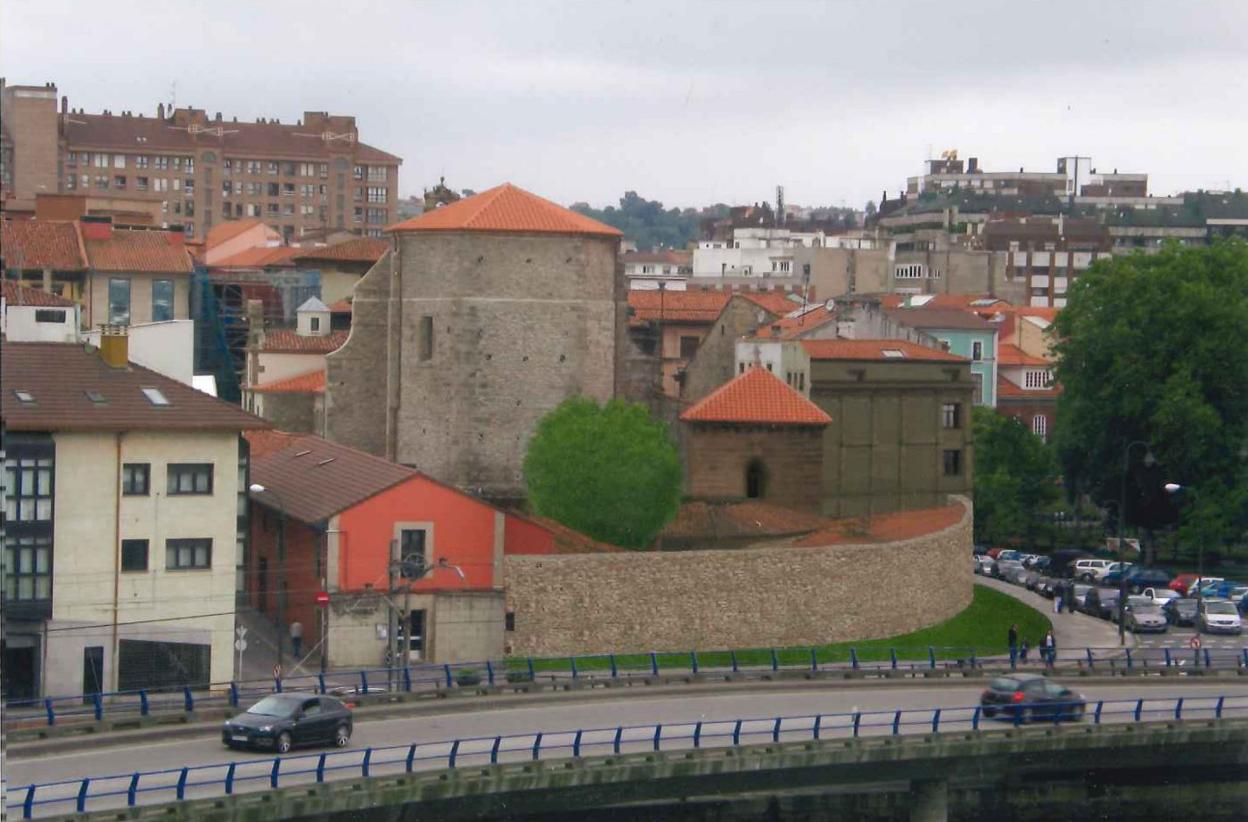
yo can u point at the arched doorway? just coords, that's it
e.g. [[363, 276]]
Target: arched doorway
[[755, 479]]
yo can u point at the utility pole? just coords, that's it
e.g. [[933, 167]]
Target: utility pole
[[393, 569]]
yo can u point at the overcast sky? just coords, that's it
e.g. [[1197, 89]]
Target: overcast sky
[[688, 103]]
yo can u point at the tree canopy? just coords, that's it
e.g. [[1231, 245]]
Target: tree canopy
[[610, 471], [1015, 478], [1150, 349], [648, 224]]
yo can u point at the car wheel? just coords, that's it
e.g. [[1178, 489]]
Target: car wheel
[[283, 743], [342, 736]]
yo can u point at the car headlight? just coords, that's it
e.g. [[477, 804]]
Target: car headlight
[[264, 729]]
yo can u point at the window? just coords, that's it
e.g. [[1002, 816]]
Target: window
[[358, 172], [28, 568], [162, 163], [755, 480], [119, 301], [377, 216], [136, 479], [190, 478], [155, 396], [119, 181], [377, 174], [1040, 426], [49, 315], [160, 184], [288, 189], [953, 463], [688, 347], [951, 415], [162, 300], [912, 271], [509, 621], [377, 194], [188, 554], [253, 166], [426, 338], [412, 542], [1036, 379], [977, 350], [781, 266], [893, 354], [101, 160], [272, 167], [28, 484], [314, 323], [134, 555], [189, 165]]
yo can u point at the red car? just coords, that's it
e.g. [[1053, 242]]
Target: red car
[[1182, 582], [992, 552]]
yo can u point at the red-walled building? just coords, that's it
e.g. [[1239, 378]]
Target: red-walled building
[[346, 516]]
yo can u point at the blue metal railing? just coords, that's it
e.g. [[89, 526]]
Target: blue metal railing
[[122, 705], [227, 778]]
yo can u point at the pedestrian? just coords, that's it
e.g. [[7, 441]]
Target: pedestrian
[[296, 637], [1022, 654], [1049, 648], [1057, 601], [1012, 639]]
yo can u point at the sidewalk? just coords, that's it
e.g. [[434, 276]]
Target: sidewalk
[[261, 651], [1069, 630]]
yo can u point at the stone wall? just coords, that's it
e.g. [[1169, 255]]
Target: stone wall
[[791, 458], [754, 597]]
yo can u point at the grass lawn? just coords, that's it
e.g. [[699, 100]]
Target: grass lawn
[[982, 627]]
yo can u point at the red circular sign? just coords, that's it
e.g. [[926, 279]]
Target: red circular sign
[[1194, 642], [322, 598]]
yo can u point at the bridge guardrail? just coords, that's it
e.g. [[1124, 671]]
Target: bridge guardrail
[[88, 708], [228, 778]]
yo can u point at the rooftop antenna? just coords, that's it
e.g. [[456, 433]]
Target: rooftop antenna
[[779, 205], [173, 96]]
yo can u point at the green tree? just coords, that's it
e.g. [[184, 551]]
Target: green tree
[[610, 472], [1016, 478], [1150, 348]]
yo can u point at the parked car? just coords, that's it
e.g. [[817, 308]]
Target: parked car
[[1181, 583], [1223, 590], [1140, 577], [1160, 596], [1219, 616], [1143, 615], [1081, 593], [1116, 568], [282, 721], [985, 565], [1238, 593], [1200, 582], [1086, 569], [1062, 562], [1101, 602], [1047, 587], [1006, 567], [1029, 697], [1180, 611]]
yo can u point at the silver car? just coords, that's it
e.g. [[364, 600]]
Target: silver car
[[1145, 617]]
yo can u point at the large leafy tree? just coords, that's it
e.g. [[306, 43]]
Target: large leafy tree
[[1015, 478], [610, 471], [1150, 348]]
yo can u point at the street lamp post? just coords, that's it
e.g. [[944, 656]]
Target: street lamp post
[[1173, 488], [257, 488], [1122, 554]]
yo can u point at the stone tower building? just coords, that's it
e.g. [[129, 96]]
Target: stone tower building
[[488, 313]]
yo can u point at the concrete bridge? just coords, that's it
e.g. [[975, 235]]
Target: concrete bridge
[[1193, 767]]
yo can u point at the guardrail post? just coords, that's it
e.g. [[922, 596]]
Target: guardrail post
[[697, 735], [775, 731], [775, 660], [28, 804], [853, 658], [320, 769], [615, 746], [366, 764], [1096, 716], [693, 662], [82, 795], [537, 745], [277, 684], [143, 706], [498, 741], [1091, 658], [363, 682], [273, 774], [47, 706], [896, 723], [975, 718], [654, 663], [658, 733], [181, 789], [411, 757], [857, 723], [1245, 655], [188, 699], [576, 744], [974, 661], [133, 791], [450, 760], [532, 672], [1169, 661], [1217, 709], [1139, 708], [407, 678], [1207, 663], [818, 724], [814, 661], [1178, 709], [892, 655], [233, 694], [1129, 664], [736, 668], [936, 721], [229, 778], [489, 674], [615, 669], [931, 657], [446, 670], [98, 705], [574, 672], [736, 734], [320, 683]]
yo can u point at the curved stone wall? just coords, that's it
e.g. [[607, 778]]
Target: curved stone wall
[[772, 595]]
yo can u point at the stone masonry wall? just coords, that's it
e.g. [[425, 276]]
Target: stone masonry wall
[[717, 457], [755, 597]]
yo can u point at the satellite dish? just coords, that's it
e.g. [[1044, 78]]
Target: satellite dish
[[830, 304]]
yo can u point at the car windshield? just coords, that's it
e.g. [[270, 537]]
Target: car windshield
[[1219, 608], [1146, 608], [1004, 683], [274, 706]]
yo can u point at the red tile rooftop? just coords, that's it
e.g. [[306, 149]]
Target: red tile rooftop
[[892, 527], [286, 341], [756, 397], [15, 294], [313, 383], [507, 209]]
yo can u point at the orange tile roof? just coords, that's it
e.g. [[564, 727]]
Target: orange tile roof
[[1010, 354], [125, 250], [15, 294], [287, 341], [260, 258], [313, 383], [676, 306], [776, 302], [39, 244], [224, 232], [887, 527], [756, 397], [790, 328], [506, 208], [874, 350], [359, 250], [667, 256], [698, 518], [341, 307]]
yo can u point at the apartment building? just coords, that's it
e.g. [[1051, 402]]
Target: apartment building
[[124, 520], [311, 175]]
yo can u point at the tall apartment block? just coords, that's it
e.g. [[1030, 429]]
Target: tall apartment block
[[312, 175]]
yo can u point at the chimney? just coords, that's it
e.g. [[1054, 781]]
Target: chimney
[[96, 227], [114, 346], [160, 111], [64, 104]]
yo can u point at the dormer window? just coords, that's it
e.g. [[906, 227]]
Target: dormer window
[[155, 396], [893, 354], [24, 397]]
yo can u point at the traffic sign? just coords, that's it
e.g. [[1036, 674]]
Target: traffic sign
[[1194, 642], [240, 645], [241, 630], [322, 598]]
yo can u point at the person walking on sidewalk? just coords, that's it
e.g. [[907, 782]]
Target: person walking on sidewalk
[[1012, 639], [1049, 649], [296, 638]]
